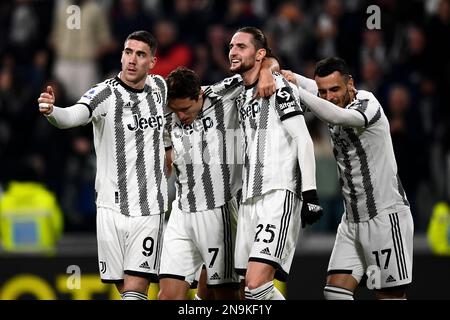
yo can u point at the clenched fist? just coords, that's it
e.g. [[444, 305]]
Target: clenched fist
[[46, 101]]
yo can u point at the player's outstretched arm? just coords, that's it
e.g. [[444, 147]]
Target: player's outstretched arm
[[324, 110], [331, 113], [62, 118], [300, 81]]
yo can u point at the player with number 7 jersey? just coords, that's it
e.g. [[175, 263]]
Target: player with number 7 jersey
[[203, 134]]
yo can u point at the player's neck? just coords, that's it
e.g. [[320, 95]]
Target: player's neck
[[137, 86], [251, 76]]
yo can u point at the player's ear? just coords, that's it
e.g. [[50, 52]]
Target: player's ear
[[152, 62], [350, 83], [260, 54], [200, 94], [351, 86]]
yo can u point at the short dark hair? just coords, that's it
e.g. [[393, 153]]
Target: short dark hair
[[327, 66], [183, 83], [259, 40], [146, 37]]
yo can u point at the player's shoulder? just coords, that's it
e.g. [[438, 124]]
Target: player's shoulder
[[281, 81], [282, 85], [156, 84], [278, 77], [153, 80], [366, 95], [225, 84], [105, 86], [154, 77], [226, 87]]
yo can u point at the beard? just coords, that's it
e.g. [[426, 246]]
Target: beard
[[243, 67], [347, 99], [344, 101]]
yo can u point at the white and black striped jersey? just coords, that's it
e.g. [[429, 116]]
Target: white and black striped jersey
[[128, 137], [207, 151], [270, 154], [366, 163]]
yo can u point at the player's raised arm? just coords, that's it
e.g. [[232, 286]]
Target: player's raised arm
[[62, 118], [328, 97], [266, 83], [331, 113], [300, 81]]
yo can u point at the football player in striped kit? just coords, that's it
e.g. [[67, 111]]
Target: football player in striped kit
[[127, 114], [278, 172], [203, 132], [375, 235]]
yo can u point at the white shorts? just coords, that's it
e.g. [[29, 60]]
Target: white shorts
[[128, 245], [268, 228], [384, 243], [204, 237]]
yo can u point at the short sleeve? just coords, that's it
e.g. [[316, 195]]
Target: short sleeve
[[222, 92], [162, 85], [287, 102], [96, 99], [228, 86], [368, 106]]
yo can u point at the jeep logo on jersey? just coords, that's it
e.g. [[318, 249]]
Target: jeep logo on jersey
[[142, 123], [197, 126], [250, 110], [284, 98]]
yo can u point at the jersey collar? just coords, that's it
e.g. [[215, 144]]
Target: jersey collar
[[127, 87]]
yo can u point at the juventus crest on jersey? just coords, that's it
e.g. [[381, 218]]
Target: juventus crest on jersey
[[270, 155], [128, 129], [366, 163], [207, 151]]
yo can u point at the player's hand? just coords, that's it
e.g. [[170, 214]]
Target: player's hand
[[289, 75], [266, 84], [46, 101], [311, 209]]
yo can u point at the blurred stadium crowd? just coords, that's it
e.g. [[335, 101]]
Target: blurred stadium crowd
[[405, 63]]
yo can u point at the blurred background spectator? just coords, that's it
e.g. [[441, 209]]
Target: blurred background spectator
[[31, 220], [78, 50], [405, 63]]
